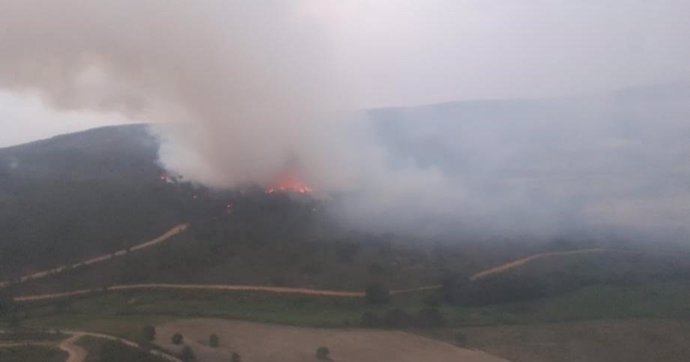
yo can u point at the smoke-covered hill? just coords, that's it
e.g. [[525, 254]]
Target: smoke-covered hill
[[117, 154], [80, 194], [94, 192]]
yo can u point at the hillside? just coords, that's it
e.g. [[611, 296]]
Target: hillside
[[92, 193], [94, 205], [82, 194]]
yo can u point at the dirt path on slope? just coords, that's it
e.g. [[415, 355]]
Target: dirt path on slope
[[520, 262], [238, 288], [76, 353], [218, 287], [176, 230], [415, 290], [503, 268]]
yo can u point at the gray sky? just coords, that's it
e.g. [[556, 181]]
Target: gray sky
[[410, 52], [414, 52]]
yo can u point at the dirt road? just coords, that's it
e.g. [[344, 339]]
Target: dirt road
[[78, 354], [239, 288], [503, 268], [218, 287], [176, 230], [415, 290], [520, 262], [75, 353]]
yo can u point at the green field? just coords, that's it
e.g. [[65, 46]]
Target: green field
[[31, 354], [100, 350], [660, 300]]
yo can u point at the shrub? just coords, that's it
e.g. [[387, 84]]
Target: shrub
[[213, 340], [370, 320], [323, 354], [148, 333], [235, 357], [377, 294], [460, 338], [177, 339], [396, 318], [430, 317], [187, 355]]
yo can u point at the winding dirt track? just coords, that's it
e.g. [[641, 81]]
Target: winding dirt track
[[177, 229], [520, 262], [218, 287], [78, 354], [75, 353], [503, 268], [239, 288]]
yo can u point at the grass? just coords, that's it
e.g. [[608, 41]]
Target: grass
[[125, 313], [657, 300], [100, 350], [128, 327], [32, 354], [23, 334], [616, 340]]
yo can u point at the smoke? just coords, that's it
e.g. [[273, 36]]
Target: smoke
[[243, 90], [601, 164], [247, 86]]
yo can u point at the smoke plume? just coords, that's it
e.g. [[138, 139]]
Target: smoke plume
[[246, 86]]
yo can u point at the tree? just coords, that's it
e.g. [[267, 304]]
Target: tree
[[235, 357], [9, 310], [7, 305], [187, 355], [396, 318], [63, 305], [111, 351], [14, 320], [460, 338], [323, 354], [377, 294], [177, 339], [213, 340], [369, 319], [148, 333], [430, 317], [451, 287]]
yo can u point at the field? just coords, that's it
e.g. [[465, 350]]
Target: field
[[660, 300], [605, 340], [100, 350], [261, 342], [33, 353]]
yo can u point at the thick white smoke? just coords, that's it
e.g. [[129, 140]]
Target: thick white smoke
[[247, 85]]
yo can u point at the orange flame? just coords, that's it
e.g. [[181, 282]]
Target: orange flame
[[289, 184]]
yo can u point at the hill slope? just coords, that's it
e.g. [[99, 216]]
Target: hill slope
[[80, 194]]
